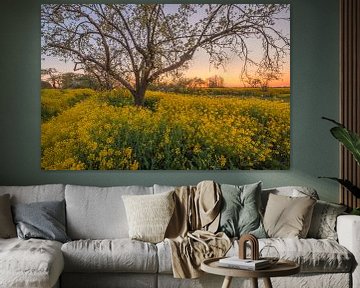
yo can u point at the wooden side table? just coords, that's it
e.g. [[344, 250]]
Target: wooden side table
[[281, 268]]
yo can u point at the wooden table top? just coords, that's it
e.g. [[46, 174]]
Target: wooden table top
[[281, 268]]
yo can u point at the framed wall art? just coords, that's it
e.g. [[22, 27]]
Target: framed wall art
[[165, 86]]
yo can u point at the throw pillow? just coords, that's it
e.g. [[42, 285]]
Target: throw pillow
[[149, 215], [240, 213], [323, 222], [288, 217], [7, 227], [43, 220]]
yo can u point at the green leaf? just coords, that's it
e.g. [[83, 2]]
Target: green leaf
[[355, 211], [333, 121], [349, 139], [347, 184]]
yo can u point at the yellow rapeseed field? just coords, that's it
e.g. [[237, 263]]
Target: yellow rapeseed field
[[104, 130], [54, 101]]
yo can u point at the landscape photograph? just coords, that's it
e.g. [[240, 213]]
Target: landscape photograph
[[165, 86]]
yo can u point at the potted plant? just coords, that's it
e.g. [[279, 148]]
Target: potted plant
[[351, 141]]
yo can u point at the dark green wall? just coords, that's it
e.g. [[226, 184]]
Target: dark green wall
[[314, 84]]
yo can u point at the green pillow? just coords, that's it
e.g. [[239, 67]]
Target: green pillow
[[240, 213]]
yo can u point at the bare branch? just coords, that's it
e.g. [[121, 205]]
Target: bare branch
[[135, 44]]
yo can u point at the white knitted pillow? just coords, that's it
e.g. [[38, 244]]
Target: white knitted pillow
[[149, 215]]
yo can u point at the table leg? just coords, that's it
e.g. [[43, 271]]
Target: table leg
[[227, 282], [267, 283], [254, 282]]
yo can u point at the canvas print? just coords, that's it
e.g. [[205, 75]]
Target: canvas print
[[165, 86]]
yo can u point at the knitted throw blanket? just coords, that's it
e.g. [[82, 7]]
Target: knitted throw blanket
[[191, 232]]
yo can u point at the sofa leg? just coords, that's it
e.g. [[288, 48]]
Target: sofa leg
[[267, 282], [227, 282], [254, 282]]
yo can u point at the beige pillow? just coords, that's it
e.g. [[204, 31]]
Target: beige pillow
[[7, 226], [288, 217], [149, 215]]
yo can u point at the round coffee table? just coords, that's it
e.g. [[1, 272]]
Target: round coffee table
[[281, 268]]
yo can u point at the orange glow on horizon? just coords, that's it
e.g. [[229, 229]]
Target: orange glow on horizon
[[233, 79]]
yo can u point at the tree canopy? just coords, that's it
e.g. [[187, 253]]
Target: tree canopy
[[136, 44]]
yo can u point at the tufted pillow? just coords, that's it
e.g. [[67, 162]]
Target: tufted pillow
[[323, 222], [149, 215], [7, 226], [288, 217]]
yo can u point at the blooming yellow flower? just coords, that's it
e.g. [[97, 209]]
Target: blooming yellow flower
[[105, 131]]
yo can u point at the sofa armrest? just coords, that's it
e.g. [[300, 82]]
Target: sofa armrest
[[348, 230]]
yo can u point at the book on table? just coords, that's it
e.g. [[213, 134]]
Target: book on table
[[249, 264]]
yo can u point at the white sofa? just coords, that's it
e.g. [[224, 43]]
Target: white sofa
[[101, 255]]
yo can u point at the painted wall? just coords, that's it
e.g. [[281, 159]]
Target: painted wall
[[314, 84]]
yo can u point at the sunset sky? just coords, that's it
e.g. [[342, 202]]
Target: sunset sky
[[200, 66]]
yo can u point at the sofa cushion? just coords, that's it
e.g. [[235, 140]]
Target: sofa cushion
[[98, 213], [117, 255], [287, 216], [240, 210], [36, 193], [43, 220], [164, 257], [7, 226], [323, 222], [30, 263], [149, 215], [291, 191], [313, 255], [163, 188]]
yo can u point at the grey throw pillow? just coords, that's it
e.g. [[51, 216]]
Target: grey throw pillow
[[44, 220], [7, 226], [240, 213], [323, 222]]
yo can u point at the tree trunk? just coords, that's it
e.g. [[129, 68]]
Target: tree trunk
[[139, 97]]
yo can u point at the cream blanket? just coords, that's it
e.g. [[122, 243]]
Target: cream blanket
[[191, 231]]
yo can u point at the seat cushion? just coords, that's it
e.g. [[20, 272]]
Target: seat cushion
[[30, 263], [117, 255], [98, 213], [313, 255]]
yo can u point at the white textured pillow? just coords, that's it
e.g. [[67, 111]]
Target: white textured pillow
[[149, 215]]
